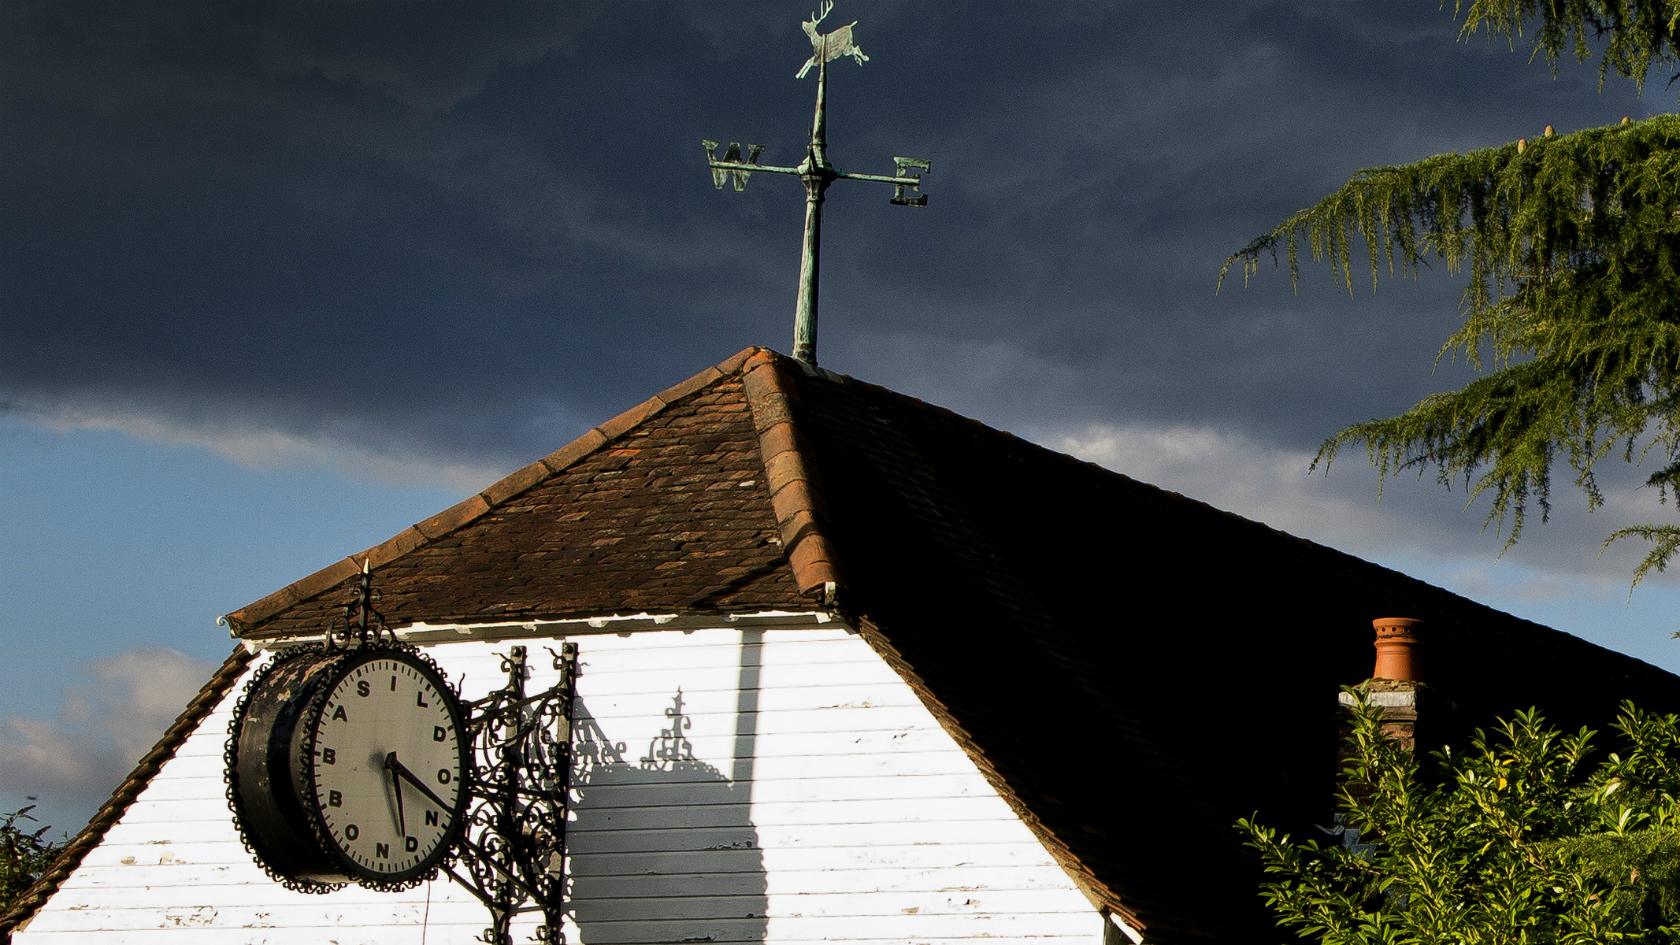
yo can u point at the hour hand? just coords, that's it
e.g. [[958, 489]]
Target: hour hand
[[391, 765], [403, 772]]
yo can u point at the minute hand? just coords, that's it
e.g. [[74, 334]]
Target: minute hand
[[407, 775]]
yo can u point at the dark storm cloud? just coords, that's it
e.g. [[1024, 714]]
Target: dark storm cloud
[[468, 232], [426, 241]]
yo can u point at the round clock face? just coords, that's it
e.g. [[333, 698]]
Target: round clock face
[[385, 766]]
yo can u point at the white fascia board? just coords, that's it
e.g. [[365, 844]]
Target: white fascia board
[[1132, 935], [578, 626]]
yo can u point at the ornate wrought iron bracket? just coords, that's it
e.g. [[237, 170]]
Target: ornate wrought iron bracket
[[513, 856], [364, 625]]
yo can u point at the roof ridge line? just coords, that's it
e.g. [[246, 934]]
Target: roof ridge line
[[70, 856], [480, 503], [795, 499]]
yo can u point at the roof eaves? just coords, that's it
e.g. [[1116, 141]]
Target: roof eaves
[[73, 852], [795, 499], [243, 623]]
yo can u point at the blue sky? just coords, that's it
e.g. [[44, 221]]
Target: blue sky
[[277, 280]]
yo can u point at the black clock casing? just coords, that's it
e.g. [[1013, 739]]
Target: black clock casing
[[350, 766]]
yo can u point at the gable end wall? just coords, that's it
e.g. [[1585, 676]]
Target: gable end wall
[[803, 793]]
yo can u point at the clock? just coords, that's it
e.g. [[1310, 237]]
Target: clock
[[350, 766]]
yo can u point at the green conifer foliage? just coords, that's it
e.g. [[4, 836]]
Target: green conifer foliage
[[1633, 35], [1571, 248]]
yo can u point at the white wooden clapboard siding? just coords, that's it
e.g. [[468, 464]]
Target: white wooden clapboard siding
[[808, 796]]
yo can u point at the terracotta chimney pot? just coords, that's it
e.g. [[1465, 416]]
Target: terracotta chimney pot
[[1396, 648]]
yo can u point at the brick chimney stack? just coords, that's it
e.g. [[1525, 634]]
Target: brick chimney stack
[[1393, 689]]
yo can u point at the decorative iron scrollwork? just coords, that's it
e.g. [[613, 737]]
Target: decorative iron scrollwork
[[513, 857], [363, 625]]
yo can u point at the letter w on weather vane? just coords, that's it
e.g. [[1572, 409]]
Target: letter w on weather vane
[[816, 173]]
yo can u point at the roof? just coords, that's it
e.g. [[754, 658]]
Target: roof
[[664, 508], [1133, 670]]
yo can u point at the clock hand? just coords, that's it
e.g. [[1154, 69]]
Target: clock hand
[[396, 785], [402, 771]]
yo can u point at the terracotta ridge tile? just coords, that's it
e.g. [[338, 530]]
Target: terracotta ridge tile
[[462, 513], [72, 853], [391, 548], [475, 506], [302, 589], [794, 499]]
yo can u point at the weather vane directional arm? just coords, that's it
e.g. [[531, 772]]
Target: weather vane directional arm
[[731, 168], [816, 172]]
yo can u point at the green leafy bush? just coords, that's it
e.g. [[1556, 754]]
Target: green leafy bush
[[1530, 836]]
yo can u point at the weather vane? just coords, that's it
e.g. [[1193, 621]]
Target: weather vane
[[816, 172]]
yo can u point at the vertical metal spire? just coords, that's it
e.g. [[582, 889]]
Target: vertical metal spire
[[816, 173]]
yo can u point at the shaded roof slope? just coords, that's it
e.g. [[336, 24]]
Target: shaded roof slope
[[1137, 668]]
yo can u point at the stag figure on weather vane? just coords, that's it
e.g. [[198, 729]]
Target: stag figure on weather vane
[[827, 47]]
